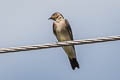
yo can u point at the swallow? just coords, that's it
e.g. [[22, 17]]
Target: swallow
[[63, 32]]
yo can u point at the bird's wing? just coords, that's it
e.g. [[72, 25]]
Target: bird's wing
[[54, 29], [69, 29]]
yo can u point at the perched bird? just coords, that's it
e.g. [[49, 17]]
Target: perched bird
[[63, 32]]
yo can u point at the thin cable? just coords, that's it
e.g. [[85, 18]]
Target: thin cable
[[59, 44]]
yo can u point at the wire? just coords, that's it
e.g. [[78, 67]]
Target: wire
[[59, 44]]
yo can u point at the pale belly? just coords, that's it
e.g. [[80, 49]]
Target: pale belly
[[62, 33], [64, 36]]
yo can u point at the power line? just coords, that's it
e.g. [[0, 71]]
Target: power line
[[59, 44]]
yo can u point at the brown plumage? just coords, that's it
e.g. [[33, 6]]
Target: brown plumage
[[63, 32]]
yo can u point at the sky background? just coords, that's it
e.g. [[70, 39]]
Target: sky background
[[25, 22]]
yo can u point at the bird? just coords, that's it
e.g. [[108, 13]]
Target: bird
[[63, 32]]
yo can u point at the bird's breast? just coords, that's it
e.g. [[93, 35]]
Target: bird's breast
[[62, 32], [60, 26]]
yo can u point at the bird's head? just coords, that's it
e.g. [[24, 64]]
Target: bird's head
[[56, 16]]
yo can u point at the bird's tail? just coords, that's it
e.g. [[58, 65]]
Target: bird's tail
[[74, 63]]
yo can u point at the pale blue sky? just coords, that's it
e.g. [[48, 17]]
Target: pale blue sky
[[25, 22]]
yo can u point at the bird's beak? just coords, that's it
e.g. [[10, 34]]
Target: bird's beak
[[49, 18]]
